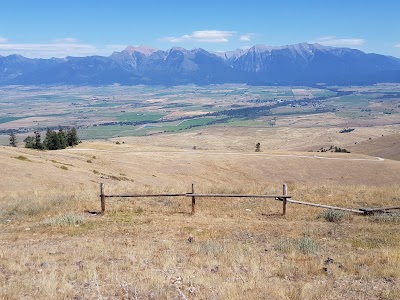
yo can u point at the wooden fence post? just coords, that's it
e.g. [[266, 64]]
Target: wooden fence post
[[193, 201], [102, 198], [285, 193]]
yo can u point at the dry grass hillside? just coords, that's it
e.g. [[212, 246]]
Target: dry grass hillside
[[301, 133], [386, 146], [50, 248]]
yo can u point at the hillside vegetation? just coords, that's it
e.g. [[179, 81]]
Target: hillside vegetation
[[230, 249]]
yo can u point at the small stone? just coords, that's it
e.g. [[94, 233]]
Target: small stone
[[27, 229], [80, 264], [40, 271], [190, 239], [388, 279], [178, 283], [192, 290], [243, 269], [214, 269], [45, 264], [328, 261]]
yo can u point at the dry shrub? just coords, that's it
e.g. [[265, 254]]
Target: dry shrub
[[304, 245], [64, 220], [391, 218], [333, 215]]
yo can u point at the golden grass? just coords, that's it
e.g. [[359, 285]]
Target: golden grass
[[240, 249]]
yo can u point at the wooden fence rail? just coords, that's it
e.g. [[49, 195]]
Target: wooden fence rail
[[370, 211], [325, 206], [147, 195], [193, 195], [285, 198]]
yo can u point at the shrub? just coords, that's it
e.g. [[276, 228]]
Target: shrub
[[307, 245], [387, 218], [64, 220], [332, 215], [139, 211], [303, 245], [23, 158]]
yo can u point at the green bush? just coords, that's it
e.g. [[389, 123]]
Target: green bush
[[303, 245], [64, 220], [332, 215], [23, 158]]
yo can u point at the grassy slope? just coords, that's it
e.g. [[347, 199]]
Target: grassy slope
[[385, 146], [242, 248]]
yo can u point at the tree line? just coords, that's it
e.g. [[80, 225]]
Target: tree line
[[54, 140]]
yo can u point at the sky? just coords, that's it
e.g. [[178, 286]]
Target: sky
[[43, 28]]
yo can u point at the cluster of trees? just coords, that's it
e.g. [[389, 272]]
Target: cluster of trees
[[345, 130], [334, 149], [53, 140], [337, 149]]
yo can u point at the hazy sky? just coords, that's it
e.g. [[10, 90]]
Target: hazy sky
[[43, 28]]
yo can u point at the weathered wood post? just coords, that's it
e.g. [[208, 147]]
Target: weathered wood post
[[193, 201], [102, 198], [284, 202]]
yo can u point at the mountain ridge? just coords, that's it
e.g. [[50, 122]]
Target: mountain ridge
[[298, 64]]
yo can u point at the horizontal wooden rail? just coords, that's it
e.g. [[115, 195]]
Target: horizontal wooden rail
[[147, 195], [367, 210], [325, 206], [276, 197]]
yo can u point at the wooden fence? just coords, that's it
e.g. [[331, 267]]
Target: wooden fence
[[284, 198]]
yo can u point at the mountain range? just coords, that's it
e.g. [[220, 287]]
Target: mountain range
[[300, 64]]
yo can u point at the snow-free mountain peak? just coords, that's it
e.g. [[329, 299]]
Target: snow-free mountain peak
[[145, 50]]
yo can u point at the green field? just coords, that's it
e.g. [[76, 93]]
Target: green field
[[112, 111], [139, 117], [351, 101], [8, 119]]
